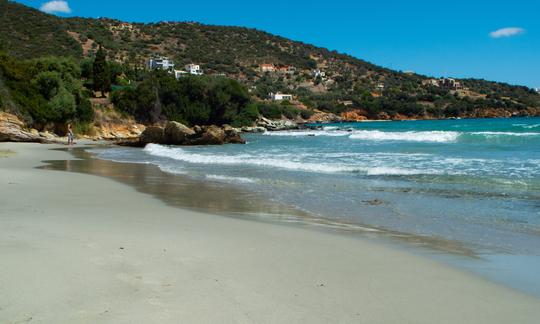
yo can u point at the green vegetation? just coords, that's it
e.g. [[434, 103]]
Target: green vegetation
[[45, 90], [190, 100], [285, 109], [101, 75], [29, 33]]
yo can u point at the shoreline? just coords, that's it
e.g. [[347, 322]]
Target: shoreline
[[80, 248], [230, 201]]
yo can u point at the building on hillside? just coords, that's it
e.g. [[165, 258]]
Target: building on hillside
[[162, 63], [449, 83], [431, 82], [537, 90], [380, 86], [446, 83], [281, 96], [194, 69], [267, 68]]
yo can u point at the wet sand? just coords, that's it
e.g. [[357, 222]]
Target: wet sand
[[78, 248]]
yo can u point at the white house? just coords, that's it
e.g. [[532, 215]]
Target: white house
[[163, 63], [194, 69], [281, 96]]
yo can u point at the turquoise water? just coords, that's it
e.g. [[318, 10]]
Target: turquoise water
[[472, 182]]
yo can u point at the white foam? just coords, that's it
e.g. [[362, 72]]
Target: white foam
[[330, 132], [229, 179], [182, 155], [428, 136], [505, 134], [527, 126], [398, 171]]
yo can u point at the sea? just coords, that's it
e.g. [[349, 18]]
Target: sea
[[466, 190]]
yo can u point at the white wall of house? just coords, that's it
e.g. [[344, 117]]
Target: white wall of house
[[162, 63], [194, 69], [281, 96]]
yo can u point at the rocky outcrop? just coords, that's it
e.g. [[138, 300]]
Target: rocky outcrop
[[383, 116], [211, 135], [12, 129], [152, 134], [253, 129], [112, 131], [323, 117], [232, 135], [354, 115], [276, 125], [175, 133]]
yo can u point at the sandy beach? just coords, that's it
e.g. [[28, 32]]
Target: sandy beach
[[78, 248]]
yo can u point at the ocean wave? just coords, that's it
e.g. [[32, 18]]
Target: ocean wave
[[527, 126], [410, 136], [284, 162], [427, 136], [301, 133], [182, 155], [504, 134], [229, 179], [399, 171], [330, 128]]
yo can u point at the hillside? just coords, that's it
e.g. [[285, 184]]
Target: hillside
[[345, 85]]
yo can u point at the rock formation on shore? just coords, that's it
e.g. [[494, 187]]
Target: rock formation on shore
[[175, 133], [12, 129], [276, 125]]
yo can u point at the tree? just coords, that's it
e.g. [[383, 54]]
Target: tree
[[102, 77], [48, 84]]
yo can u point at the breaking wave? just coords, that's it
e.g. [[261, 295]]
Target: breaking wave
[[182, 155], [433, 136], [229, 179], [413, 136], [272, 162]]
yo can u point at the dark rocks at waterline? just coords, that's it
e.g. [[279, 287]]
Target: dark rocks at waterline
[[175, 133], [152, 134]]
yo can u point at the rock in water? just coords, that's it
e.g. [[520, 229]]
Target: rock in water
[[211, 135], [152, 134], [232, 135], [276, 125], [177, 133]]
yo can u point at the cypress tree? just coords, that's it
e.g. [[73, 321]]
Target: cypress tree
[[102, 79]]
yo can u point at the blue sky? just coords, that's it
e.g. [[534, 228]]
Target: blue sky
[[438, 38]]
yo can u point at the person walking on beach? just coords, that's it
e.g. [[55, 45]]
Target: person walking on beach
[[70, 134]]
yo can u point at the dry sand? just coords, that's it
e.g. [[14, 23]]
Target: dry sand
[[76, 248]]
